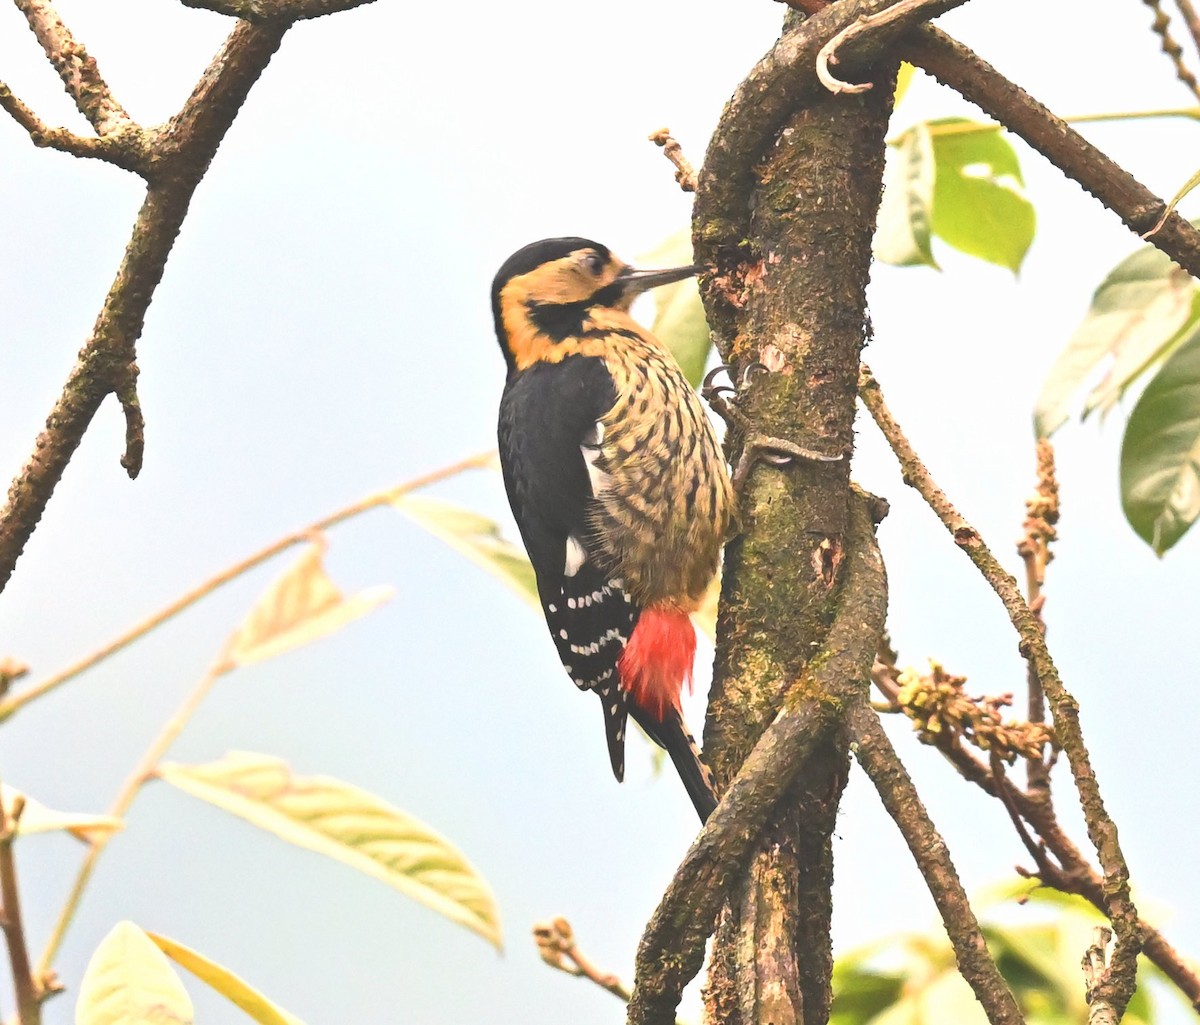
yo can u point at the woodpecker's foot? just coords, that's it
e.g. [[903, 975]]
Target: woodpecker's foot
[[777, 452], [715, 395], [723, 398]]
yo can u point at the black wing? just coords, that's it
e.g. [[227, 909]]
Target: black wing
[[548, 414]]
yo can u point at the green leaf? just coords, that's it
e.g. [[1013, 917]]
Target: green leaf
[[300, 606], [349, 825], [230, 986], [860, 993], [476, 537], [1135, 317], [979, 205], [1160, 455], [129, 981], [679, 321], [902, 232]]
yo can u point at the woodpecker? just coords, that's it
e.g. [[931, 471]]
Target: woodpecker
[[617, 482]]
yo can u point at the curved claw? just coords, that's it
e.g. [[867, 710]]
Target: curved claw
[[707, 385], [774, 457], [750, 369]]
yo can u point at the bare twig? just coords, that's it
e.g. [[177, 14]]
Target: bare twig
[[685, 174], [124, 149], [876, 755], [1162, 28], [1191, 19], [1041, 517], [76, 67], [556, 944], [1095, 972], [1120, 982], [25, 986], [106, 363], [301, 536]]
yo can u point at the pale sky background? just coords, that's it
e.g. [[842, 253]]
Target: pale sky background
[[323, 331]]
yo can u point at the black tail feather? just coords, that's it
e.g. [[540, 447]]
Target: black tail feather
[[673, 735]]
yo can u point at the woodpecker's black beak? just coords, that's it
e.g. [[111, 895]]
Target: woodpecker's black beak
[[633, 282]]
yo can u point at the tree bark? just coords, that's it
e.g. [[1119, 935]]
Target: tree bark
[[791, 295]]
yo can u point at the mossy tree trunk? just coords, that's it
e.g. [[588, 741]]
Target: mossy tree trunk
[[790, 294]]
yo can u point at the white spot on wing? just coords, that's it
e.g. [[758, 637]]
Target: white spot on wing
[[576, 556], [591, 453]]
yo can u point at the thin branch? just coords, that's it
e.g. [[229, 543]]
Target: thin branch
[[122, 149], [557, 947], [672, 947], [1191, 19], [185, 601], [1041, 518], [1006, 792], [1095, 972], [106, 362], [76, 67], [1161, 26], [685, 174], [876, 755], [1102, 830], [25, 986]]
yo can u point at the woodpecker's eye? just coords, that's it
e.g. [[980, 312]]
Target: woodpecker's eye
[[594, 262]]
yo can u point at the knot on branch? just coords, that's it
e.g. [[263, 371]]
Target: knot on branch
[[942, 711], [10, 670]]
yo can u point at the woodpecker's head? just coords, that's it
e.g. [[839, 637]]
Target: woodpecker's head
[[547, 292]]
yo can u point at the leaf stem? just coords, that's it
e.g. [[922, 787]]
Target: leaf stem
[[27, 991], [19, 700], [977, 127], [124, 799]]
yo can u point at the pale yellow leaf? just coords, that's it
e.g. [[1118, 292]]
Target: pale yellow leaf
[[903, 81], [301, 606], [37, 818], [129, 981], [349, 825], [225, 982], [476, 537]]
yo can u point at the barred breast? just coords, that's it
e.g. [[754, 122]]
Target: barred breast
[[663, 497]]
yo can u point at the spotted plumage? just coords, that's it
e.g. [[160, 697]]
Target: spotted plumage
[[617, 484]]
